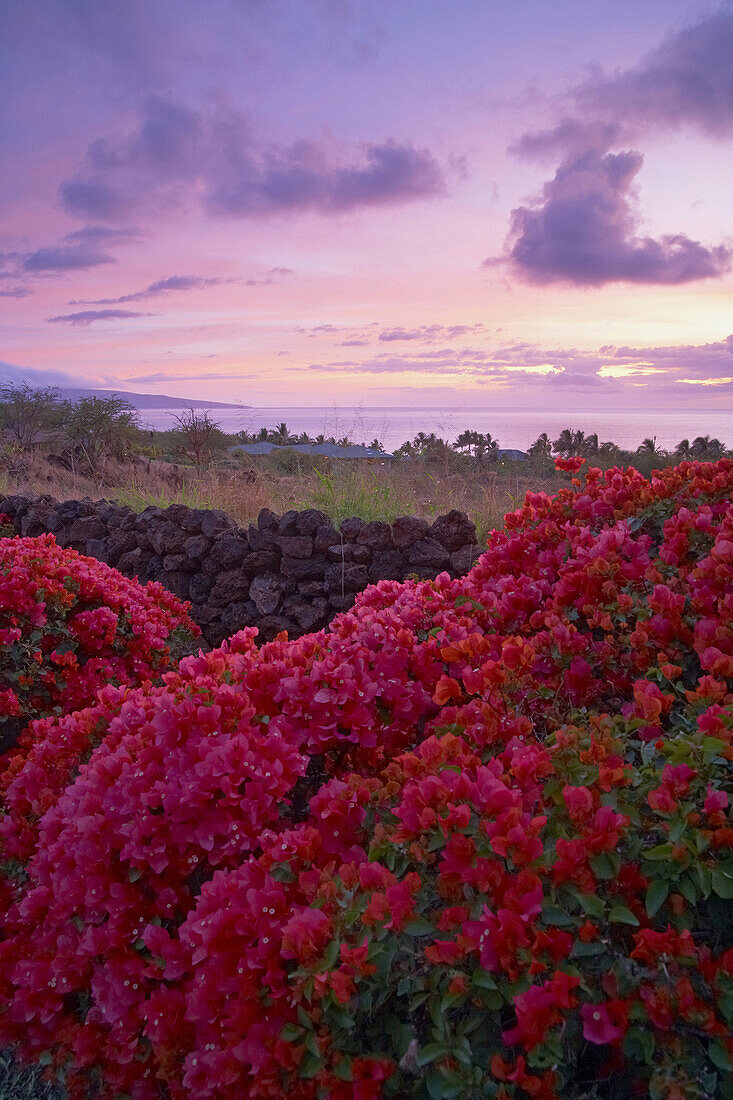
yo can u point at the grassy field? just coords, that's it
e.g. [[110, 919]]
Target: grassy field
[[341, 490]]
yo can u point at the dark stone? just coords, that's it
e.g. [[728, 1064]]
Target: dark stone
[[288, 524], [454, 530], [310, 520], [230, 549], [205, 614], [302, 569], [351, 529], [308, 614], [200, 586], [376, 534], [261, 561], [238, 615], [267, 520], [267, 593], [131, 563], [406, 530], [387, 565], [177, 513], [196, 548], [295, 546], [326, 535], [428, 554], [215, 634], [229, 587], [192, 519], [120, 542], [215, 521], [261, 540], [86, 528], [271, 625], [176, 582], [311, 588], [36, 521], [165, 537], [342, 603], [346, 578], [17, 505], [349, 551], [99, 549], [175, 563], [462, 560]]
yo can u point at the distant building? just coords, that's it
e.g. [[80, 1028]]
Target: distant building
[[327, 450]]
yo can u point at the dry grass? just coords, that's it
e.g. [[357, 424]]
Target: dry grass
[[342, 491]]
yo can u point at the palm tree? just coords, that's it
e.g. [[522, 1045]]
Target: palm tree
[[648, 446], [590, 445], [281, 436], [464, 441], [542, 446], [705, 447], [569, 443], [683, 449]]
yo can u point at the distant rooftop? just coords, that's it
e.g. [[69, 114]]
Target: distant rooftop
[[329, 450]]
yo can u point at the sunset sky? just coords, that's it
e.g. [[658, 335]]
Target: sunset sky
[[382, 201]]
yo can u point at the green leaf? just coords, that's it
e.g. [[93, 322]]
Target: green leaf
[[621, 915], [722, 884], [483, 979], [282, 873], [639, 1045], [431, 1052], [586, 950], [291, 1033], [134, 874], [310, 1065], [677, 829], [719, 1056], [656, 896], [603, 867], [419, 927], [661, 851]]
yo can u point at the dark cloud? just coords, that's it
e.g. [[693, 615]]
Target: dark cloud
[[687, 80], [177, 155], [89, 316], [584, 231], [103, 235], [162, 286], [65, 258], [428, 333], [15, 292], [272, 276]]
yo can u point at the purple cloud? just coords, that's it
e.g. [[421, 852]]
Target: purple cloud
[[65, 258], [270, 277], [583, 231], [161, 286], [687, 80], [177, 155], [15, 292], [89, 316]]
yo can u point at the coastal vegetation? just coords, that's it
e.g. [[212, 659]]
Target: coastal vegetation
[[97, 447], [472, 840]]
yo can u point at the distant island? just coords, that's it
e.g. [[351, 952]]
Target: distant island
[[150, 400]]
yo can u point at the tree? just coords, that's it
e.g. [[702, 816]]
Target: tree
[[705, 447], [27, 413], [542, 446], [102, 427], [648, 446], [569, 443], [197, 436], [683, 449]]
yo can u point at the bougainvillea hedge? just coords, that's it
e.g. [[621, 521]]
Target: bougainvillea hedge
[[474, 841], [69, 625]]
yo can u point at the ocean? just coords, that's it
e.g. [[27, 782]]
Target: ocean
[[510, 427]]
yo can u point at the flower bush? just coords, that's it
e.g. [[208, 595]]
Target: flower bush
[[472, 841], [69, 625]]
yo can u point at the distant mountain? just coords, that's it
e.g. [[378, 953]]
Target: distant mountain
[[150, 400]]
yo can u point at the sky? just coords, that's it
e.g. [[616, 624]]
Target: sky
[[386, 202]]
